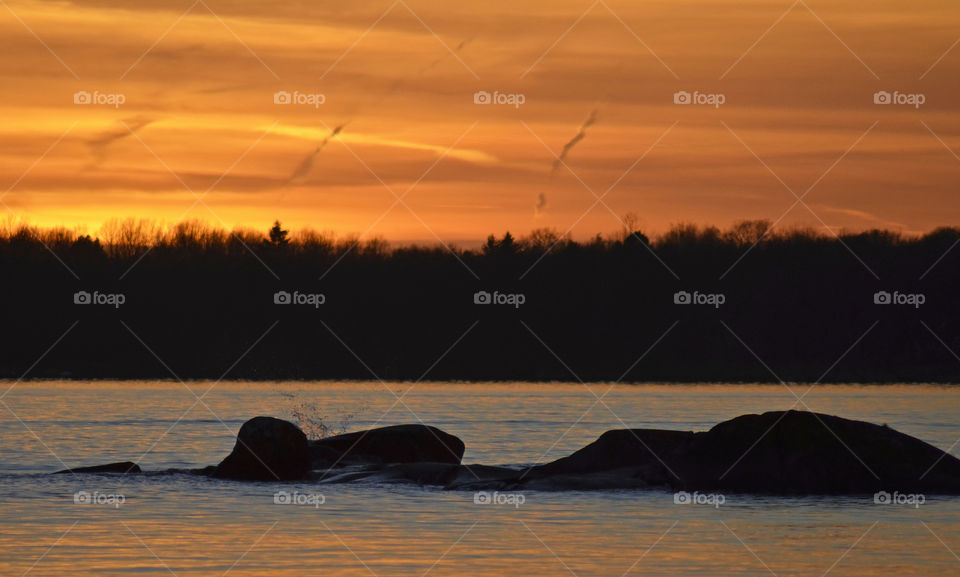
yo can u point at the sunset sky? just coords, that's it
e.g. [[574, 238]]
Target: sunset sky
[[198, 82]]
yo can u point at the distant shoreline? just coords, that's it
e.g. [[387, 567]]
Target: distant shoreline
[[695, 305]]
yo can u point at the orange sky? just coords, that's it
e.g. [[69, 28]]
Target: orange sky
[[198, 82]]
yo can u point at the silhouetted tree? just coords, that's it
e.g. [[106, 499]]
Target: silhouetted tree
[[278, 236]]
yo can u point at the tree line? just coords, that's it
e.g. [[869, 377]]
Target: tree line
[[698, 303]]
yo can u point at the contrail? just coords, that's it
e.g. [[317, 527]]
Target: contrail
[[98, 146], [399, 83], [573, 141], [303, 169], [541, 204], [445, 56]]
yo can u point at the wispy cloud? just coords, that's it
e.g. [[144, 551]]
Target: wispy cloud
[[541, 204], [303, 169], [464, 154], [99, 144], [581, 134]]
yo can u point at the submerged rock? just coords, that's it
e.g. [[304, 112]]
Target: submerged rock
[[447, 475], [395, 444], [648, 455], [267, 449], [123, 467]]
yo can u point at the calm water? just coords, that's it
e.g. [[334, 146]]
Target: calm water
[[194, 526]]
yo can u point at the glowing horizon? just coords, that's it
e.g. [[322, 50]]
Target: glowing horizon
[[203, 108]]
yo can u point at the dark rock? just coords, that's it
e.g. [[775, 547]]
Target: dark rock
[[345, 475], [322, 456], [811, 453], [792, 452], [446, 475], [420, 473], [124, 468], [267, 449], [396, 444], [465, 475], [654, 453], [782, 452]]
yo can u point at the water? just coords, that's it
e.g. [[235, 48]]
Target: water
[[196, 526]]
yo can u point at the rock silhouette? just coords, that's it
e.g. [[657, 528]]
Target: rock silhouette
[[777, 453], [267, 449], [124, 468], [394, 444]]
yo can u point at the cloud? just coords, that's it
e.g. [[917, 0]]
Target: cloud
[[541, 204], [98, 145], [446, 55], [303, 169], [465, 154], [871, 218], [573, 141]]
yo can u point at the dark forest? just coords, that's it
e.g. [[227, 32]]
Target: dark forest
[[745, 304]]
